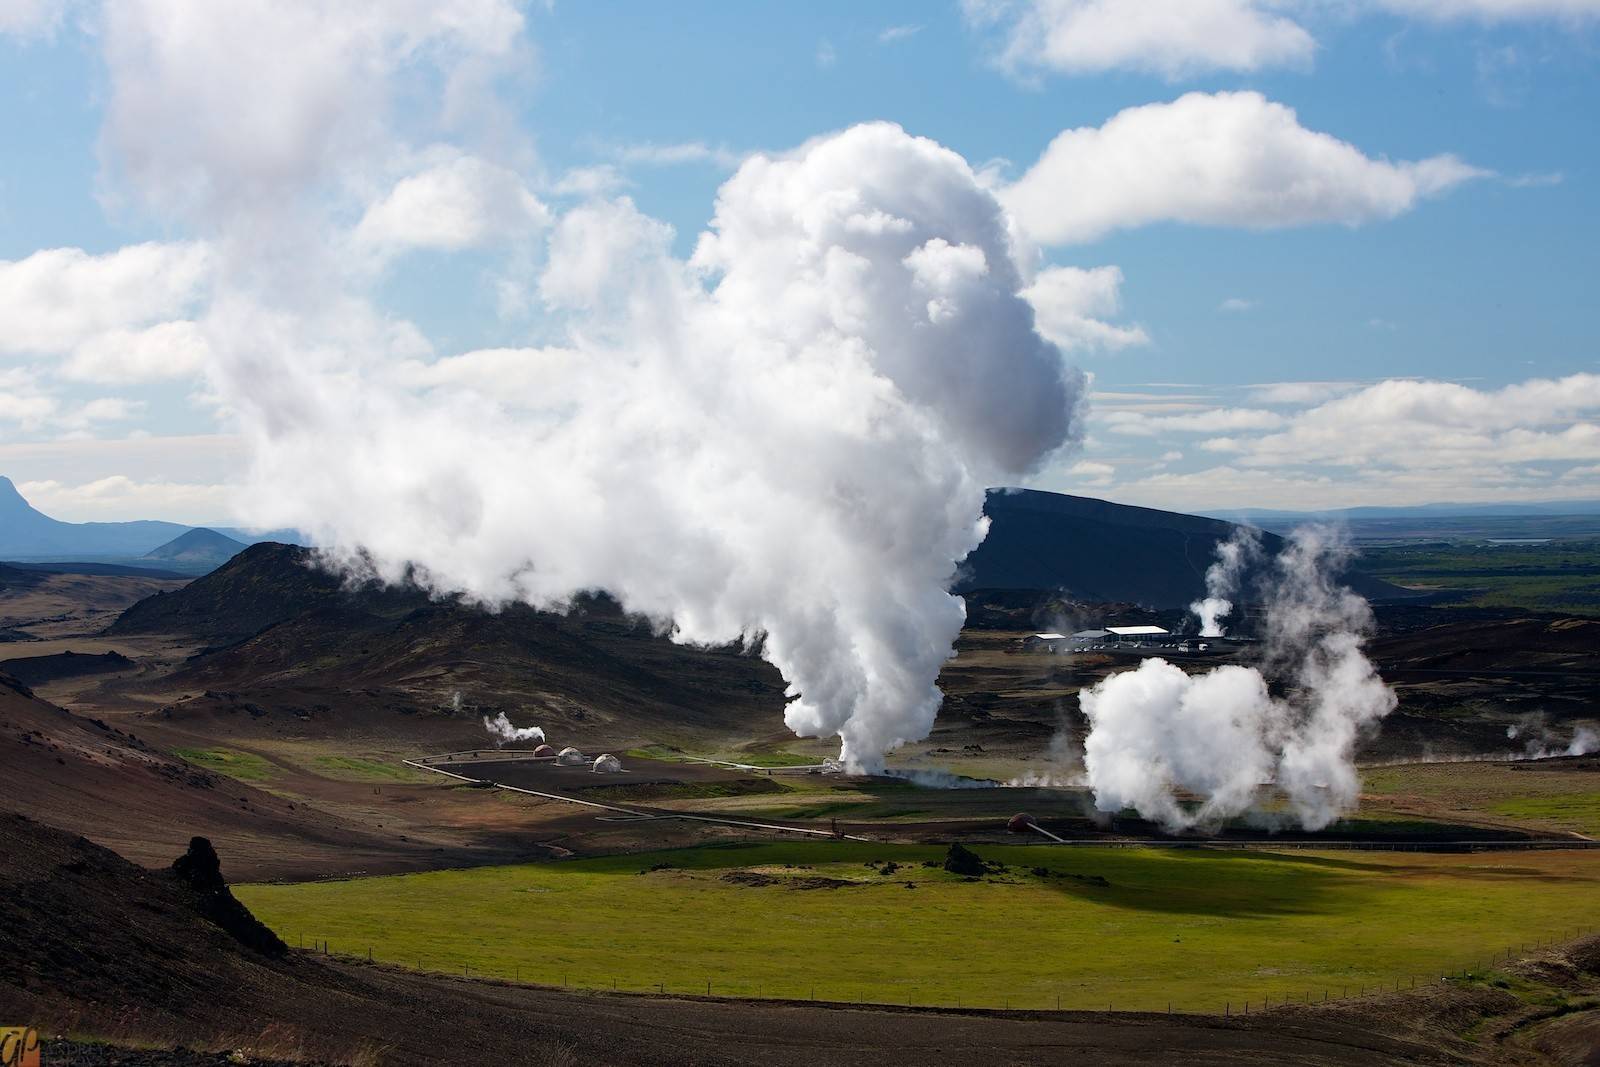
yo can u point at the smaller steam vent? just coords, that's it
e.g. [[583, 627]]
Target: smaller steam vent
[[607, 764], [1020, 823], [571, 757], [543, 752]]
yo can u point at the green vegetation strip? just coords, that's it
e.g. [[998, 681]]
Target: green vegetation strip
[[245, 766], [835, 920]]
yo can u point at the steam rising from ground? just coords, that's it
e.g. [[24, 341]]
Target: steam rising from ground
[[1156, 732], [783, 439], [1538, 742], [1222, 578], [505, 732]]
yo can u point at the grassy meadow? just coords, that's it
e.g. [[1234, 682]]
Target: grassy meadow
[[1558, 576], [1132, 928]]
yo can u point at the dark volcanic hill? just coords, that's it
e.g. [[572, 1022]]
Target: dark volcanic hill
[[276, 624], [199, 547], [1096, 551]]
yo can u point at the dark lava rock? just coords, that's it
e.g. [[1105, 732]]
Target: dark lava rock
[[201, 871], [963, 861]]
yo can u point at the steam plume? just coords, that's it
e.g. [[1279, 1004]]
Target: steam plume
[[784, 437], [504, 733], [1222, 579], [1221, 736]]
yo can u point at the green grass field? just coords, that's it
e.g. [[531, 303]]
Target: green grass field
[[1195, 928], [1541, 798], [245, 766], [1559, 576]]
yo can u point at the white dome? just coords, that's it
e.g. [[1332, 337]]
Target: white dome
[[571, 757], [607, 764]]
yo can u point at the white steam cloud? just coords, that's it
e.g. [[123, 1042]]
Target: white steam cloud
[[1222, 579], [782, 440], [1158, 735], [505, 732]]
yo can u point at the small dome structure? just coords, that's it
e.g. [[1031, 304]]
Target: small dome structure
[[571, 757], [607, 764], [1020, 823], [543, 751]]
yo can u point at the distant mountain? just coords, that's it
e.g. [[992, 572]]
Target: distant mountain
[[25, 531], [198, 547], [1097, 551]]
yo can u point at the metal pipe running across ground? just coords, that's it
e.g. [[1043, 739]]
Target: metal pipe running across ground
[[635, 813]]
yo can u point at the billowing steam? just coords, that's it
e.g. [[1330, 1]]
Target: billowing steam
[[505, 732], [1222, 579], [783, 438], [1219, 737]]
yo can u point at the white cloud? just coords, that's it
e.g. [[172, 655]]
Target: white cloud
[[1216, 420], [118, 497], [1236, 304], [199, 458], [1072, 303], [1172, 38], [22, 401], [59, 298], [1403, 424], [1393, 442], [671, 155], [601, 179], [165, 350], [1299, 394], [1494, 10], [891, 34], [31, 18], [1178, 39], [1091, 473], [461, 202], [1224, 159], [826, 56]]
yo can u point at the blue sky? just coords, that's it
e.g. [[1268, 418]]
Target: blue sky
[[1451, 297]]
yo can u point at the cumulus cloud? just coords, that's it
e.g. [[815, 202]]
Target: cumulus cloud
[[462, 202], [1223, 159], [1400, 441], [59, 298], [1172, 38], [165, 350], [1178, 39], [1072, 304], [1421, 424]]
